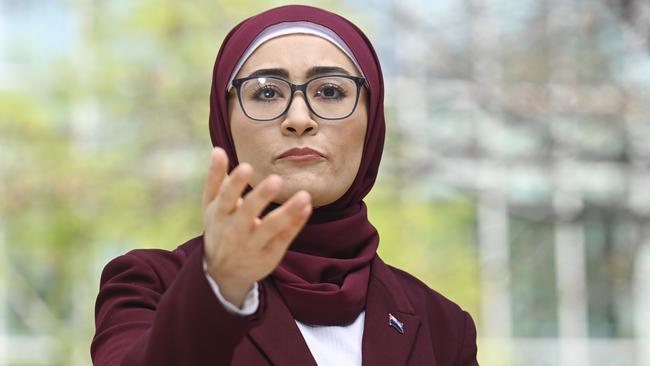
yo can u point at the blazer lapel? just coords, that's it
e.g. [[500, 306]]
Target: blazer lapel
[[278, 335], [383, 343]]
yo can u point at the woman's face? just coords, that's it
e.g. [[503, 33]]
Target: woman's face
[[339, 143]]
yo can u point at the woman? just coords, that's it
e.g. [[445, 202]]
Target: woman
[[286, 271]]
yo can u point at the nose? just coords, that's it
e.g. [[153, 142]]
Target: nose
[[298, 120]]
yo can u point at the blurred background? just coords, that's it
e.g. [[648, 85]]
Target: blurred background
[[515, 178]]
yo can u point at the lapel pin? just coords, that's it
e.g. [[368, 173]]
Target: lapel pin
[[393, 322]]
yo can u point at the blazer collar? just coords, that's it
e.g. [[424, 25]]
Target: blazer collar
[[383, 343], [278, 335], [280, 339]]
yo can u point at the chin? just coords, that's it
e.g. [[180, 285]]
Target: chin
[[319, 196]]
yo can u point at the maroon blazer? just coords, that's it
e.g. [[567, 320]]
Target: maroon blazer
[[155, 307]]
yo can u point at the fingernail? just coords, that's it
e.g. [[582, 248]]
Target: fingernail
[[244, 168], [218, 151], [275, 179], [307, 210], [304, 198]]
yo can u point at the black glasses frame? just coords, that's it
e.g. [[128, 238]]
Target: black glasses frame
[[237, 83]]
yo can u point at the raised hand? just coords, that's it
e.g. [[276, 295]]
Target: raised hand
[[240, 248]]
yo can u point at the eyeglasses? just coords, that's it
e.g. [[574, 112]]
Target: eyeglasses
[[329, 97]]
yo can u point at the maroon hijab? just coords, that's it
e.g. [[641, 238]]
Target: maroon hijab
[[323, 278]]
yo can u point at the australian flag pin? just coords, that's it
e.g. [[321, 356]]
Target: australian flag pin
[[393, 322]]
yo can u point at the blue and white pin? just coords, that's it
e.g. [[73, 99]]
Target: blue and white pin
[[393, 322]]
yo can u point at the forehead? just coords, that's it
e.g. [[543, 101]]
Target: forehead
[[297, 53]]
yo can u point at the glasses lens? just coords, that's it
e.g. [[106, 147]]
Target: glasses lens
[[332, 96], [265, 98]]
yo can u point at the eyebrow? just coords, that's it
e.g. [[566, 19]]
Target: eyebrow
[[313, 71]]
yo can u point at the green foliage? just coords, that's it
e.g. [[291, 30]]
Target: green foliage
[[105, 149], [435, 241]]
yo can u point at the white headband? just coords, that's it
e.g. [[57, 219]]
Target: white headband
[[285, 28]]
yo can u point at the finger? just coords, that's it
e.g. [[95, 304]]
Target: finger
[[232, 188], [291, 216], [216, 174], [260, 197], [278, 245]]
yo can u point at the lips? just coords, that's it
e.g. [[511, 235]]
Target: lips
[[300, 154]]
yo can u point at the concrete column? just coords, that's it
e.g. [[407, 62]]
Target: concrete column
[[571, 280], [494, 256], [642, 304]]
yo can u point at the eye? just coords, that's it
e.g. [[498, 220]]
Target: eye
[[330, 91], [266, 93]]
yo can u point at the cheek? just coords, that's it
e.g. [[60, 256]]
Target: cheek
[[251, 146], [351, 143]]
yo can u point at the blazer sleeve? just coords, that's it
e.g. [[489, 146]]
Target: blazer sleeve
[[139, 322], [468, 349]]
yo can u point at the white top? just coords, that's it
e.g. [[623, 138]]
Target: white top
[[329, 345], [335, 345]]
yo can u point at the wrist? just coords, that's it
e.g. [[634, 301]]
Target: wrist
[[232, 289]]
